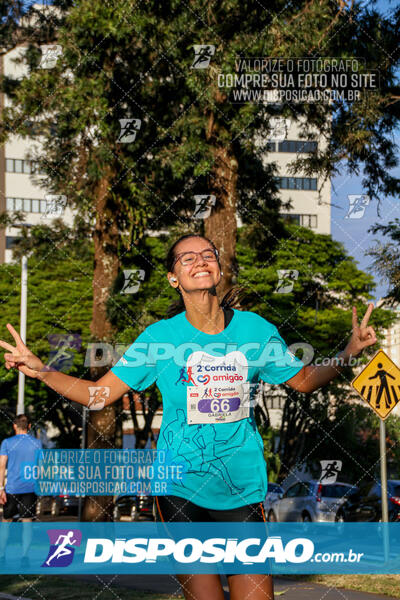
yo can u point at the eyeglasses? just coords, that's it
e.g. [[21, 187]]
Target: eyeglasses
[[189, 258]]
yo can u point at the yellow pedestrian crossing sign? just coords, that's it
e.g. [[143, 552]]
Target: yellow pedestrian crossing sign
[[379, 384]]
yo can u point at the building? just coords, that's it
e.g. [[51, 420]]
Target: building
[[310, 197], [391, 343], [19, 191]]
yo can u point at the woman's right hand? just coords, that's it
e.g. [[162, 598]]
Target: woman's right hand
[[20, 356]]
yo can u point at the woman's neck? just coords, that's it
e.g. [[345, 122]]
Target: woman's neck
[[205, 314]]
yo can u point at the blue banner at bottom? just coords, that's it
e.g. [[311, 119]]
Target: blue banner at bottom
[[146, 548]]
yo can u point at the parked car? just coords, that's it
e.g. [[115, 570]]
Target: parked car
[[133, 508], [57, 505], [43, 505], [310, 501], [273, 493], [366, 503]]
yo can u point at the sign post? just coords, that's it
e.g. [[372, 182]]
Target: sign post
[[379, 385], [382, 445]]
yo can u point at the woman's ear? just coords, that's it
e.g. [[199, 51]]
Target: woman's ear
[[172, 279]]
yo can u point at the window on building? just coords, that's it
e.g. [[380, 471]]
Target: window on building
[[26, 204], [297, 183], [310, 221], [10, 241], [17, 165], [297, 146], [291, 218]]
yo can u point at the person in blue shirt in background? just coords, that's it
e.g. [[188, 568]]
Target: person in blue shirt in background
[[18, 495], [208, 420]]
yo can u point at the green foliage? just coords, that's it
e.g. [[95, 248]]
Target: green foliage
[[386, 257], [59, 302], [316, 312]]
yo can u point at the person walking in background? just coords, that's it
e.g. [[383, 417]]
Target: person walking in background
[[18, 495]]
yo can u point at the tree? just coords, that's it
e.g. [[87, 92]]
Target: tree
[[188, 136], [228, 141], [326, 272], [386, 258], [59, 302]]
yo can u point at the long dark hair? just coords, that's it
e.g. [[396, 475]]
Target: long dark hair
[[232, 297]]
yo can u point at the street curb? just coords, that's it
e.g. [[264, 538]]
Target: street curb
[[8, 597]]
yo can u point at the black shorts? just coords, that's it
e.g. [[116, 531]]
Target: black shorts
[[22, 504], [174, 508]]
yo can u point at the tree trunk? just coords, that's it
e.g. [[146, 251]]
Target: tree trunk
[[101, 426], [221, 225]]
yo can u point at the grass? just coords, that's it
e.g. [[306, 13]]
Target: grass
[[384, 585], [39, 587]]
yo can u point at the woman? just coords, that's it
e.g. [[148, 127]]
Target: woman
[[207, 382]]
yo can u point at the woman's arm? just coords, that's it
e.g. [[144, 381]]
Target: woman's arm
[[110, 387], [312, 377]]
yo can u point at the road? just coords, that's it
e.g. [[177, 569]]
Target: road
[[288, 589], [284, 588]]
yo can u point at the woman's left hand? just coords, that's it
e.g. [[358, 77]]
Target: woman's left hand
[[363, 335]]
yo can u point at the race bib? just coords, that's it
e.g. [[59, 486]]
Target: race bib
[[221, 404]]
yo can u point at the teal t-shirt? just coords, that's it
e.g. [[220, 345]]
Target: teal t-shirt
[[208, 384]]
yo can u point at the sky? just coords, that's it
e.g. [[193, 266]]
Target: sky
[[353, 233]]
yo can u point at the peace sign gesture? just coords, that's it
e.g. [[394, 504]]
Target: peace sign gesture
[[363, 335], [20, 356]]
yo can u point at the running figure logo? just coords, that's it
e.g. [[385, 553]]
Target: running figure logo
[[61, 553], [185, 376], [287, 277], [61, 356], [330, 470], [379, 384], [203, 54], [357, 206], [129, 129], [204, 204]]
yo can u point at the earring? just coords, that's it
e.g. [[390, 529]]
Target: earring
[[222, 273]]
